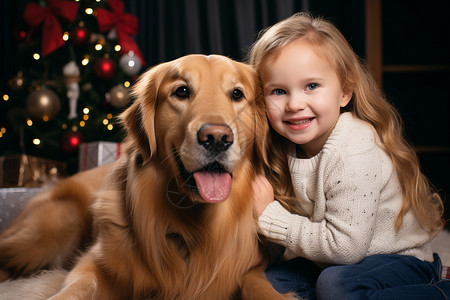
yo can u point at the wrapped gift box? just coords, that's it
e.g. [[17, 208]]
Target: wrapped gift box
[[29, 171], [97, 154], [12, 201]]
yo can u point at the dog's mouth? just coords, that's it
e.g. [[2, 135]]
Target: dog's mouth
[[212, 182]]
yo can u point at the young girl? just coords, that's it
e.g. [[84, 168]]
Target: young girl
[[345, 195]]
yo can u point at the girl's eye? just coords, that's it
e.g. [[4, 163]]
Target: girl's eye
[[182, 92], [278, 92], [312, 86], [237, 94]]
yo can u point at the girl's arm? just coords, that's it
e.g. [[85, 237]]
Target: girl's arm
[[341, 228]]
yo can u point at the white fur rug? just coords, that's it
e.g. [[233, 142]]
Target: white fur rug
[[39, 287]]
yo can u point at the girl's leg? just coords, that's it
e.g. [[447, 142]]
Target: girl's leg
[[298, 275], [384, 277]]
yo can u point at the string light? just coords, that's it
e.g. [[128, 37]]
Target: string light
[[85, 60], [66, 36], [5, 97], [98, 47], [85, 110], [82, 123], [105, 122], [110, 127], [36, 56], [126, 84], [37, 142], [45, 118], [29, 122], [109, 116], [85, 117], [89, 11], [117, 48]]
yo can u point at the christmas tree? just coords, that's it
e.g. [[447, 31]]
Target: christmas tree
[[74, 64]]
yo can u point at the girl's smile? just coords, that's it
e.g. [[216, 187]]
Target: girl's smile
[[299, 123]]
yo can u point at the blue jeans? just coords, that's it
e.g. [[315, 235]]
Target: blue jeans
[[381, 276]]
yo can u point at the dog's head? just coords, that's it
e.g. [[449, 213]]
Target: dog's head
[[201, 117]]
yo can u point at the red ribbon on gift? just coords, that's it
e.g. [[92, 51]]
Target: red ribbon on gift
[[52, 36], [125, 24]]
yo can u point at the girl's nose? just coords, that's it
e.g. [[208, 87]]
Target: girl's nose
[[295, 103]]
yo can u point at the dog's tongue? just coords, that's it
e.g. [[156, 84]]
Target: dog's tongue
[[213, 186]]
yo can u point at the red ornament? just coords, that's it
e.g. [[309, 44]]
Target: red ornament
[[71, 140], [105, 68], [79, 35]]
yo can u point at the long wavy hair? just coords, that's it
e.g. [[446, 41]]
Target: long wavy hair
[[367, 103]]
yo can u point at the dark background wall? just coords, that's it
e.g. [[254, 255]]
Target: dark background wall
[[172, 28]]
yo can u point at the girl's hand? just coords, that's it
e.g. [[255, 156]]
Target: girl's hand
[[262, 194]]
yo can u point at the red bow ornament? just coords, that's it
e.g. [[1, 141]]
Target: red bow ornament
[[52, 36], [125, 24]]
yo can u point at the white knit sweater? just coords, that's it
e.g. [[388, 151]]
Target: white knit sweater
[[351, 197]]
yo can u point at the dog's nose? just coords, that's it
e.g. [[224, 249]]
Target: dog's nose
[[215, 137]]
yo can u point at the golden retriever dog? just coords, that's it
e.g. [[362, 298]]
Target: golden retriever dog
[[172, 218]]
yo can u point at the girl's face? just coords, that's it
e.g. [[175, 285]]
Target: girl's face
[[303, 96]]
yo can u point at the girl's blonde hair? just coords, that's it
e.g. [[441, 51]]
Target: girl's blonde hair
[[368, 103]]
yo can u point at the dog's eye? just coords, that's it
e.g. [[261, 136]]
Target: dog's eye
[[182, 92], [237, 95]]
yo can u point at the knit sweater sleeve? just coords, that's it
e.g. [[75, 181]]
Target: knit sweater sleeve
[[346, 199]]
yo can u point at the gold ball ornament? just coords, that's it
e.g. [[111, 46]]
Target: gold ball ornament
[[43, 104], [17, 82], [119, 96]]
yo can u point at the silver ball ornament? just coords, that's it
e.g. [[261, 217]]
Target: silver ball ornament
[[130, 64]]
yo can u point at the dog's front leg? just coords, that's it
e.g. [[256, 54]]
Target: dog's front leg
[[82, 282]]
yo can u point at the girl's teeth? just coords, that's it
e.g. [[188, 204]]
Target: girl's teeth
[[300, 122]]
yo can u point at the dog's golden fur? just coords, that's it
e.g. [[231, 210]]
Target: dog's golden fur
[[153, 234]]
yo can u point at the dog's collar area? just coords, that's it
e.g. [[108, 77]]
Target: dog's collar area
[[177, 197]]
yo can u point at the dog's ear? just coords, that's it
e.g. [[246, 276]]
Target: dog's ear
[[132, 120], [261, 128], [139, 118], [261, 125], [261, 122]]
